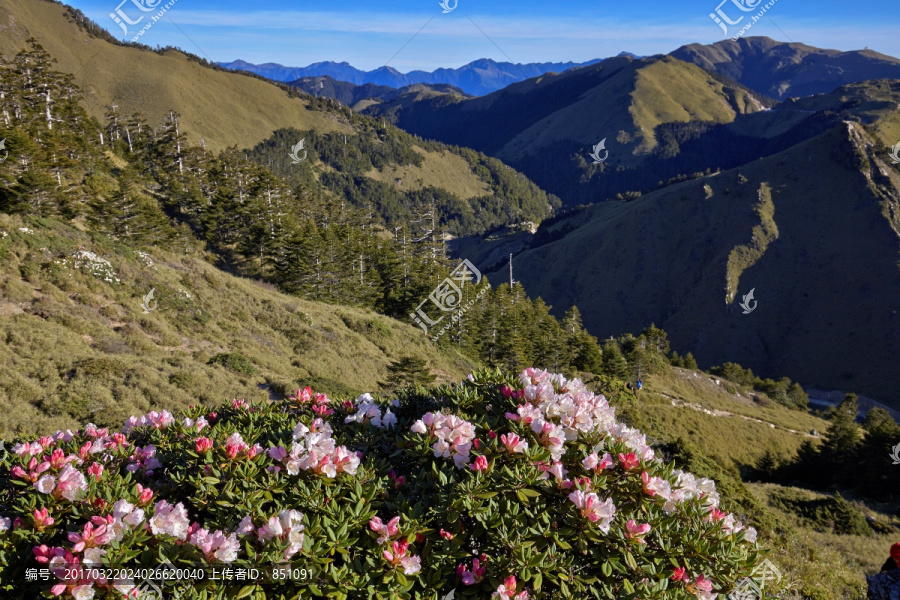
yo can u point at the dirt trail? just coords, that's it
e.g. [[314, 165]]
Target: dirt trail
[[724, 413]]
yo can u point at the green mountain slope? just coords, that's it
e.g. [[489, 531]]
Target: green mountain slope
[[547, 126], [77, 345], [784, 70], [815, 230], [214, 110]]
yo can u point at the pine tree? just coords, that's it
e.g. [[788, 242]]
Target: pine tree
[[407, 371], [614, 363], [843, 436], [689, 362]]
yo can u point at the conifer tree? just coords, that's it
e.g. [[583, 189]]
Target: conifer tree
[[407, 371], [843, 435], [614, 363]]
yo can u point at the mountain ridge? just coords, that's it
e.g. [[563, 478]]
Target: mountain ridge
[[824, 282], [478, 77], [782, 70]]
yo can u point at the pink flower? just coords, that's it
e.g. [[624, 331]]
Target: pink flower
[[90, 537], [507, 591], [302, 396], [398, 480], [245, 527], [216, 546], [480, 465], [42, 519], [593, 463], [716, 515], [95, 470], [476, 574], [635, 531], [239, 404], [397, 556], [203, 445], [43, 554], [58, 459], [72, 484], [446, 534], [322, 411], [629, 461], [702, 584], [702, 588], [386, 532], [680, 574], [592, 509], [514, 444], [278, 453], [235, 445], [144, 494]]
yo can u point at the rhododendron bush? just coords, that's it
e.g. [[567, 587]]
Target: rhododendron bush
[[501, 487]]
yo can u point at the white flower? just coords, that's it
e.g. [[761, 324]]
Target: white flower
[[411, 564], [45, 484], [170, 520], [419, 427], [750, 534], [93, 556], [5, 524], [83, 592], [389, 419]]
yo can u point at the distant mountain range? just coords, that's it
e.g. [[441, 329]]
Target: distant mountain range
[[477, 78], [360, 96]]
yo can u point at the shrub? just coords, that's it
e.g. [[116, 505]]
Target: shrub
[[832, 513], [235, 361], [520, 489]]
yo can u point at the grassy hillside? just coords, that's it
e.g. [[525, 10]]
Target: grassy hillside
[[212, 102], [546, 126], [731, 425], [783, 70], [875, 103], [77, 348], [826, 286], [627, 108]]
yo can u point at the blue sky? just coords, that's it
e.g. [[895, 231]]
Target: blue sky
[[409, 34]]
